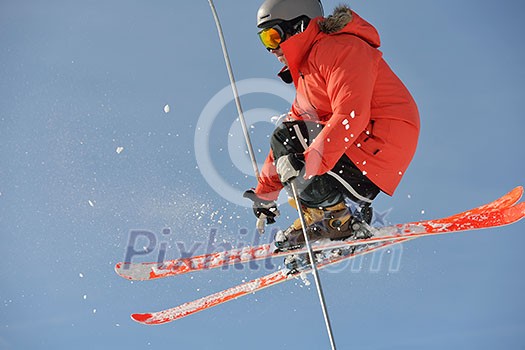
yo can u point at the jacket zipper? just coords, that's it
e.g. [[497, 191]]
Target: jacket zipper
[[306, 91]]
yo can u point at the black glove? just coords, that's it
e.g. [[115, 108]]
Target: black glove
[[262, 208], [288, 167]]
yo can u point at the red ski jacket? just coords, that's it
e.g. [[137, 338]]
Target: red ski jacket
[[343, 83]]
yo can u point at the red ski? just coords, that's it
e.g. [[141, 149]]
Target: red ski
[[501, 212], [470, 220]]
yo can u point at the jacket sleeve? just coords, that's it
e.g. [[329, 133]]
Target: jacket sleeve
[[350, 75], [269, 184]]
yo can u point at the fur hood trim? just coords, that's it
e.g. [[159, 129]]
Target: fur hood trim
[[337, 21]]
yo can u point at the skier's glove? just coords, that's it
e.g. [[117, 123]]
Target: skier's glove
[[265, 211], [289, 166]]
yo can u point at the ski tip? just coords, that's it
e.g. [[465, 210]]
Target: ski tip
[[121, 269], [518, 191], [519, 210], [141, 318], [122, 266], [513, 214]]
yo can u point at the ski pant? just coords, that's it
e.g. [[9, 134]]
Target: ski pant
[[345, 180]]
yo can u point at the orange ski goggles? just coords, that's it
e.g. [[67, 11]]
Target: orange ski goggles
[[272, 37]]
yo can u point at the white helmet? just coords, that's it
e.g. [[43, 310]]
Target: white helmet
[[272, 11]]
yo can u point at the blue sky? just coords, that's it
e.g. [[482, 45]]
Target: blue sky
[[79, 80]]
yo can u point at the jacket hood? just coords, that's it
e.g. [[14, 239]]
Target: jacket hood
[[344, 20]]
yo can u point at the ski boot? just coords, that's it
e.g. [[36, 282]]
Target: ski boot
[[292, 237], [335, 223], [360, 224]]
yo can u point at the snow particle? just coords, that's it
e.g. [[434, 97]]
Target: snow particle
[[166, 108], [119, 150], [91, 204], [81, 275]]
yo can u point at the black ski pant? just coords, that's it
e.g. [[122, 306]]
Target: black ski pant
[[345, 180]]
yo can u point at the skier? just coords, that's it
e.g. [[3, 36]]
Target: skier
[[352, 129]]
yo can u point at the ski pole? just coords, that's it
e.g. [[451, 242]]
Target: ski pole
[[256, 171], [315, 271], [234, 89]]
